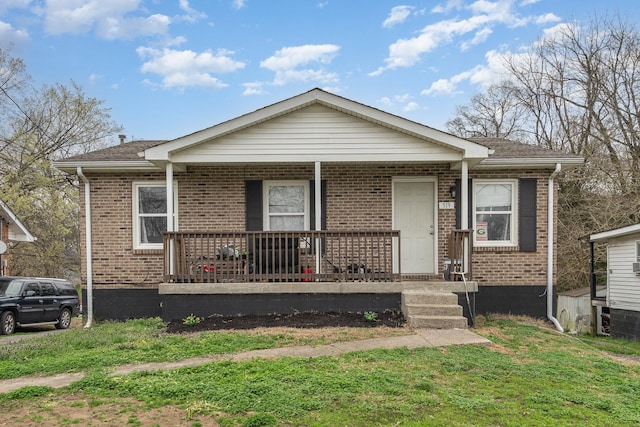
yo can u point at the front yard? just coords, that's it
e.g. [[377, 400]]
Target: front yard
[[531, 375]]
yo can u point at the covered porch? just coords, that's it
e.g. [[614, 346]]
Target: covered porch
[[301, 256]]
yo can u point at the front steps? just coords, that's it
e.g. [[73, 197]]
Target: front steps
[[432, 309]]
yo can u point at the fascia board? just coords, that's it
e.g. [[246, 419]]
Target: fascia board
[[19, 231], [532, 163], [310, 158], [122, 165], [619, 232]]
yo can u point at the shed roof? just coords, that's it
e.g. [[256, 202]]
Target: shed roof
[[618, 232]]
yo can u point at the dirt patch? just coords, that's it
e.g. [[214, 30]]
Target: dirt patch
[[82, 410], [306, 320]]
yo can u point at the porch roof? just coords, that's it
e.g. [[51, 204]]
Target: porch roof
[[317, 126]]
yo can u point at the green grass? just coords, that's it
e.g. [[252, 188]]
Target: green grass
[[531, 376]]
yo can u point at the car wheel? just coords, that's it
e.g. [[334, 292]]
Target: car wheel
[[65, 319], [7, 323]]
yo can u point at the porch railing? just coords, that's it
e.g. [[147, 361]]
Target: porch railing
[[304, 256], [460, 250]]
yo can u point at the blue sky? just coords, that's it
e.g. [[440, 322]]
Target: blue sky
[[167, 68]]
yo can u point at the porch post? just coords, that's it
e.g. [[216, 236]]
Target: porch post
[[464, 196], [318, 213], [464, 212], [170, 219]]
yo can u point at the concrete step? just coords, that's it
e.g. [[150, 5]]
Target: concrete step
[[428, 297], [432, 310], [437, 322]]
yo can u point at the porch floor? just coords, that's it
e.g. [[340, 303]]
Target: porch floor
[[249, 288]]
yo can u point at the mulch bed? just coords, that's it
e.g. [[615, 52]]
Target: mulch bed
[[389, 318]]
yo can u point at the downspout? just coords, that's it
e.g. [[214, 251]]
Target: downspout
[[550, 223], [88, 250]]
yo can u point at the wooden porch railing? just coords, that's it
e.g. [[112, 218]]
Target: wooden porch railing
[[303, 256], [460, 250]]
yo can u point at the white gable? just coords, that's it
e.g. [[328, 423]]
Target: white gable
[[317, 126], [316, 133]]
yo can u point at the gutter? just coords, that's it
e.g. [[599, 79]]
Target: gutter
[[87, 218], [550, 221]]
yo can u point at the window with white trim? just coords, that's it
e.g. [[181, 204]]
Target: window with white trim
[[286, 205], [637, 250], [494, 212], [150, 213]]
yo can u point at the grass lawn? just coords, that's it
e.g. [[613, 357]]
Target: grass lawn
[[530, 376]]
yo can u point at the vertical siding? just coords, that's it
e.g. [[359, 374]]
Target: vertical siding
[[624, 284]]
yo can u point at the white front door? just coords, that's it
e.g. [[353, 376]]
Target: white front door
[[413, 215]]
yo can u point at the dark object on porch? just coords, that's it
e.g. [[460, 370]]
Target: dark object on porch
[[276, 255]]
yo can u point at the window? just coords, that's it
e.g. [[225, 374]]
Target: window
[[494, 219], [286, 205], [47, 289], [638, 251], [150, 214]]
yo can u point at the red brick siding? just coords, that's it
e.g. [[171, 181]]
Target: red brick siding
[[358, 197]]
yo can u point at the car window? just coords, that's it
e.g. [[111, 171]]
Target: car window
[[32, 287], [10, 287], [65, 288], [47, 289]]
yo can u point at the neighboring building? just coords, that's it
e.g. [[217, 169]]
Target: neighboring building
[[622, 279], [11, 230], [394, 204]]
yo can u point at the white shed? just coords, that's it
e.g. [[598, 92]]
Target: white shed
[[623, 279]]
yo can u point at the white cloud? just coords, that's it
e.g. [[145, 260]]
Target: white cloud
[[12, 36], [93, 78], [547, 18], [484, 75], [238, 4], [112, 19], [13, 4], [185, 68], [478, 17], [405, 101], [191, 15], [300, 63], [291, 57], [119, 28], [479, 37], [253, 88], [397, 15]]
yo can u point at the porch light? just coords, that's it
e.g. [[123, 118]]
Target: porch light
[[452, 191]]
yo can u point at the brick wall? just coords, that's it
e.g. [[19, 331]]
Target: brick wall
[[358, 197]]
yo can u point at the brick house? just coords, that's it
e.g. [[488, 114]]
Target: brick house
[[315, 202], [11, 230]]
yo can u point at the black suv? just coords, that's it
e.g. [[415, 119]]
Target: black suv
[[30, 301]]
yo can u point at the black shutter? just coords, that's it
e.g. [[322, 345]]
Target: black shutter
[[528, 214], [312, 204], [469, 203], [253, 205]]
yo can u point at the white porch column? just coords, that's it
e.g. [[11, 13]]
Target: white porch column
[[464, 196], [464, 211], [318, 212], [170, 213]]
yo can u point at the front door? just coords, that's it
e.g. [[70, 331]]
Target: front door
[[413, 215]]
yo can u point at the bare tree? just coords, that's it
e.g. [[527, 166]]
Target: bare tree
[[36, 127], [494, 113], [576, 91]]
